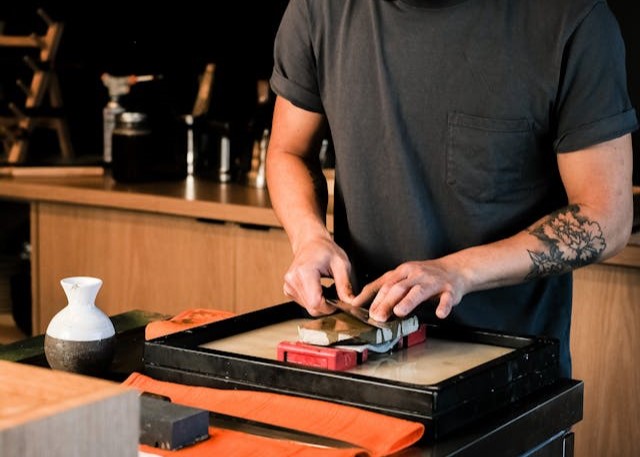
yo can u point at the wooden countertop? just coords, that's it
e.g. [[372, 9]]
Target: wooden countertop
[[191, 197]]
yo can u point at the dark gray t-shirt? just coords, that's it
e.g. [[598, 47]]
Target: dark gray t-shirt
[[446, 117]]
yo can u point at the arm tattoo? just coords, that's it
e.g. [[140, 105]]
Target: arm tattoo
[[573, 241]]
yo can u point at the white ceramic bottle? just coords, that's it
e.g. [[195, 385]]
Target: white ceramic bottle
[[80, 338]]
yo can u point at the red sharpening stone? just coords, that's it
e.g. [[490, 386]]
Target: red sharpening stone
[[417, 337], [329, 358]]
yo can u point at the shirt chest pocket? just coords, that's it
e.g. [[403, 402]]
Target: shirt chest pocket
[[486, 156]]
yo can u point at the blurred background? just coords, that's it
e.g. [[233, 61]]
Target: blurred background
[[123, 38], [627, 13], [141, 37]]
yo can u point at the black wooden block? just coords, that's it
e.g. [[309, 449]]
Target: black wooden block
[[170, 426]]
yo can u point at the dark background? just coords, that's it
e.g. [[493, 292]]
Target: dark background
[[627, 13], [139, 37]]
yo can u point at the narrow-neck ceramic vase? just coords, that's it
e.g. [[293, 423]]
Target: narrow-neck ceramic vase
[[80, 338]]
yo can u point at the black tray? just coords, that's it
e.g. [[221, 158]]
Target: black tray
[[443, 406]]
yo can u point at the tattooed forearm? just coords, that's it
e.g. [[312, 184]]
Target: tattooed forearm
[[572, 241]]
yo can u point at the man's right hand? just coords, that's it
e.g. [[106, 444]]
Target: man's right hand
[[314, 260]]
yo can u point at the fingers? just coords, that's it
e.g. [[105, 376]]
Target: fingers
[[367, 294], [302, 282], [445, 305], [409, 301], [306, 290], [304, 286], [400, 291], [394, 295], [341, 274], [399, 299]]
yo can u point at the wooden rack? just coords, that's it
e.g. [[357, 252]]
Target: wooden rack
[[15, 130]]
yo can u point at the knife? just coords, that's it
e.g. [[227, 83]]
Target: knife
[[252, 427], [228, 422], [362, 314]]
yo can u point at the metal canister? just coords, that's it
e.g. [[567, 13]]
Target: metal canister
[[212, 150], [132, 147]]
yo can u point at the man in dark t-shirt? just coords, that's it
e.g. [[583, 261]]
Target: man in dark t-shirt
[[482, 152]]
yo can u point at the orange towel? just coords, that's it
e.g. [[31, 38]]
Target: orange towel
[[183, 321], [373, 434]]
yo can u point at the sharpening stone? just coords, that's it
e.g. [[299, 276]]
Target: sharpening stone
[[330, 358], [340, 327], [413, 338], [170, 426], [400, 343]]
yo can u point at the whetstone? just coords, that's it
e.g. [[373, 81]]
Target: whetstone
[[171, 426], [342, 327]]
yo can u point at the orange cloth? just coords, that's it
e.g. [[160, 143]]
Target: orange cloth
[[373, 434], [183, 321]]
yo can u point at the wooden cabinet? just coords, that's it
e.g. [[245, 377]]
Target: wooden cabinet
[[262, 256], [605, 347], [153, 262]]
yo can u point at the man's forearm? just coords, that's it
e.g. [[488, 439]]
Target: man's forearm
[[566, 239], [569, 240], [298, 193]]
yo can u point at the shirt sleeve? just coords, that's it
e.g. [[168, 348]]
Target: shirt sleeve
[[593, 100], [294, 74]]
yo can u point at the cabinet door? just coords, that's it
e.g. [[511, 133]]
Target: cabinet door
[[147, 261], [605, 342], [262, 258]]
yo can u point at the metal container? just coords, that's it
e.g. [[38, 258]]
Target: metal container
[[212, 150], [132, 147], [145, 148]]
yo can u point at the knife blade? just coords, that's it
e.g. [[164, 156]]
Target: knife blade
[[252, 427], [362, 314]]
